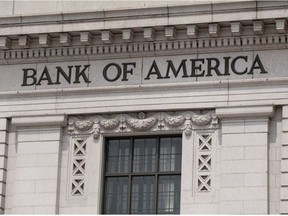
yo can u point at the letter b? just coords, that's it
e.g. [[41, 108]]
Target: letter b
[[27, 76]]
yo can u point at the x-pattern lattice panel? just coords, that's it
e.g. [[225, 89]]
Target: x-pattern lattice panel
[[79, 147], [78, 154], [205, 142], [204, 161], [77, 187], [204, 183]]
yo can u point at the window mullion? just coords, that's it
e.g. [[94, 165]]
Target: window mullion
[[130, 176], [129, 193], [156, 193], [156, 175]]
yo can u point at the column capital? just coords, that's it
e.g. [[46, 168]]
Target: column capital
[[40, 120], [245, 112]]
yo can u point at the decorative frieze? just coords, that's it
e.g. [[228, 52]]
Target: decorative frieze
[[142, 122]]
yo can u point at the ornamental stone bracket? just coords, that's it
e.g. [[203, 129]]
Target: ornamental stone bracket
[[142, 122]]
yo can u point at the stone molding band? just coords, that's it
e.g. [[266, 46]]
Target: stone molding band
[[41, 120], [142, 122], [190, 46], [245, 112]]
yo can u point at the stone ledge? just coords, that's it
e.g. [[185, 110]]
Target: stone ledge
[[34, 121], [3, 124], [285, 112], [245, 112], [206, 8], [148, 87]]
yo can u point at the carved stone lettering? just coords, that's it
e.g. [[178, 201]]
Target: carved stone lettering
[[160, 69]]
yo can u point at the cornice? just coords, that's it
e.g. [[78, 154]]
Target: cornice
[[217, 27], [142, 49]]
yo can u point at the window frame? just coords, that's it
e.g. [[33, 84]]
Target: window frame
[[130, 174]]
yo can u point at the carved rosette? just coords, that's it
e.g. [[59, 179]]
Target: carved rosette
[[186, 121]]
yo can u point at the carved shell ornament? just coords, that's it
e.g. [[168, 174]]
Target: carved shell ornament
[[79, 124], [83, 125], [109, 124], [174, 121], [141, 123], [201, 120]]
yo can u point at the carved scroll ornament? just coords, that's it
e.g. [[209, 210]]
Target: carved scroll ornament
[[142, 122]]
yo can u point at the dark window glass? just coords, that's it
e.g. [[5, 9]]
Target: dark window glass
[[170, 154], [169, 194], [118, 156], [142, 175], [142, 195], [144, 155], [116, 195]]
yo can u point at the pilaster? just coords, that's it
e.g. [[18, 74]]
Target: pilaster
[[284, 164], [244, 160], [199, 172], [3, 160], [38, 160]]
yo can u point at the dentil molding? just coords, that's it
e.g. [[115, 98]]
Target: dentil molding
[[144, 48], [141, 122]]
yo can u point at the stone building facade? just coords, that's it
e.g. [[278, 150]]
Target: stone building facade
[[160, 107]]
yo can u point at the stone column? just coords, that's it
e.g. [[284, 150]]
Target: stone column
[[37, 173], [244, 160], [3, 161], [284, 164]]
